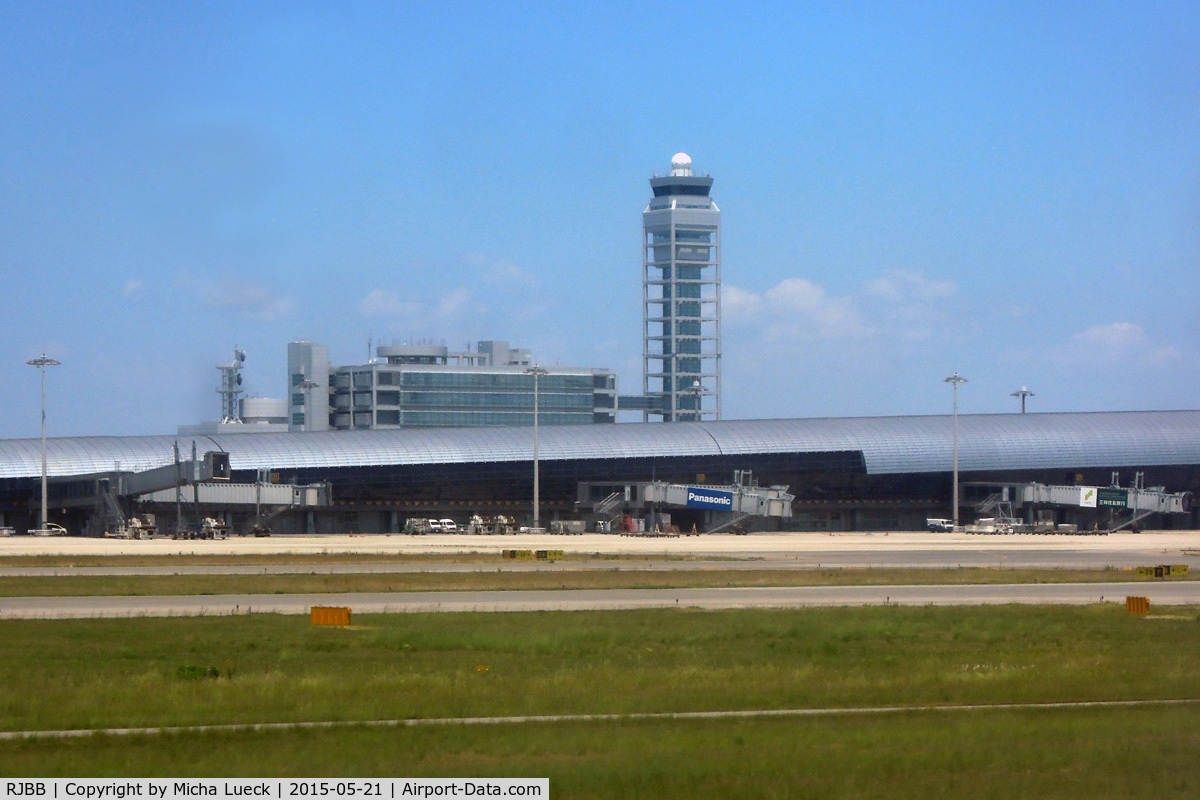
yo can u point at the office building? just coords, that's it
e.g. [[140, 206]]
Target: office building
[[308, 386], [429, 385]]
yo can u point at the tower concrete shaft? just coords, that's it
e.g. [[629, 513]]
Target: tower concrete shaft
[[681, 297]]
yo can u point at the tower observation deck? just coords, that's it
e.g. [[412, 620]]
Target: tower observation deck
[[681, 299]]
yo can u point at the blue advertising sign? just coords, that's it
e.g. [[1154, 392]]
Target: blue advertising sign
[[709, 498]]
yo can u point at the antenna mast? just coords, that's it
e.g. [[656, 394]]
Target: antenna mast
[[231, 386]]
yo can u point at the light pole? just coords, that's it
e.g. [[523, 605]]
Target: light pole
[[955, 380], [536, 372], [41, 364], [1022, 393]]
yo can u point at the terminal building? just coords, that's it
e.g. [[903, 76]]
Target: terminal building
[[428, 385], [843, 474]]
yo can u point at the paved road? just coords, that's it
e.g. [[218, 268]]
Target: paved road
[[1183, 593], [762, 551], [892, 559], [767, 545], [834, 711]]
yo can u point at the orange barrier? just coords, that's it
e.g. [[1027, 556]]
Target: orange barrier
[[1137, 605], [330, 615]]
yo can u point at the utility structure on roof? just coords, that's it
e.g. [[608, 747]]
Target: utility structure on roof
[[231, 387], [681, 297]]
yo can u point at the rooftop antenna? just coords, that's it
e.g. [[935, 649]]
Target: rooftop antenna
[[231, 386]]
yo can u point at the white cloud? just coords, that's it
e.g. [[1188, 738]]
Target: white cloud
[[504, 273], [238, 296], [1114, 339], [802, 309], [793, 309], [385, 303], [455, 302], [1124, 342], [739, 305], [901, 304], [133, 289], [903, 286], [450, 308], [907, 304]]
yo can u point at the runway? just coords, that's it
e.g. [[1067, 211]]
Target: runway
[[1160, 594]]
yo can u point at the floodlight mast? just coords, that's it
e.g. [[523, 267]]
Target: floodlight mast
[[41, 363], [954, 380], [1022, 393]]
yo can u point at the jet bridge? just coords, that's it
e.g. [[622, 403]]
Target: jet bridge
[[1111, 508], [718, 506], [110, 497]]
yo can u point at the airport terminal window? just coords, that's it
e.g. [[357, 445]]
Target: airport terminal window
[[494, 400], [468, 418], [692, 253], [298, 419], [298, 399]]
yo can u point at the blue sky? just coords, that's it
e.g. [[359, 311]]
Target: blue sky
[[1009, 190]]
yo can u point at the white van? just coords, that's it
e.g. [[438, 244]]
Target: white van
[[435, 526], [449, 525]]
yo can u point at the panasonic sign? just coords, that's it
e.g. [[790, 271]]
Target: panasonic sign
[[709, 498]]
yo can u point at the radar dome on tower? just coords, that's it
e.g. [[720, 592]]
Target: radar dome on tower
[[681, 165]]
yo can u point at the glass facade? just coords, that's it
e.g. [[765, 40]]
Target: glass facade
[[416, 395]]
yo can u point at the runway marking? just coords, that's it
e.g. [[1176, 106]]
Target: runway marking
[[542, 718]]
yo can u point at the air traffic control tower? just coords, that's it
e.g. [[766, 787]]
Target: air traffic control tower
[[681, 299]]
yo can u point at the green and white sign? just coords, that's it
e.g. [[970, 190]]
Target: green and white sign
[[1087, 496], [1113, 498]]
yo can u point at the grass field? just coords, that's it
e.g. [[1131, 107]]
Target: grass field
[[129, 672], [268, 668], [1117, 753], [616, 578]]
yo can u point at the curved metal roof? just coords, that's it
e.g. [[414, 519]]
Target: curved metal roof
[[889, 444]]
